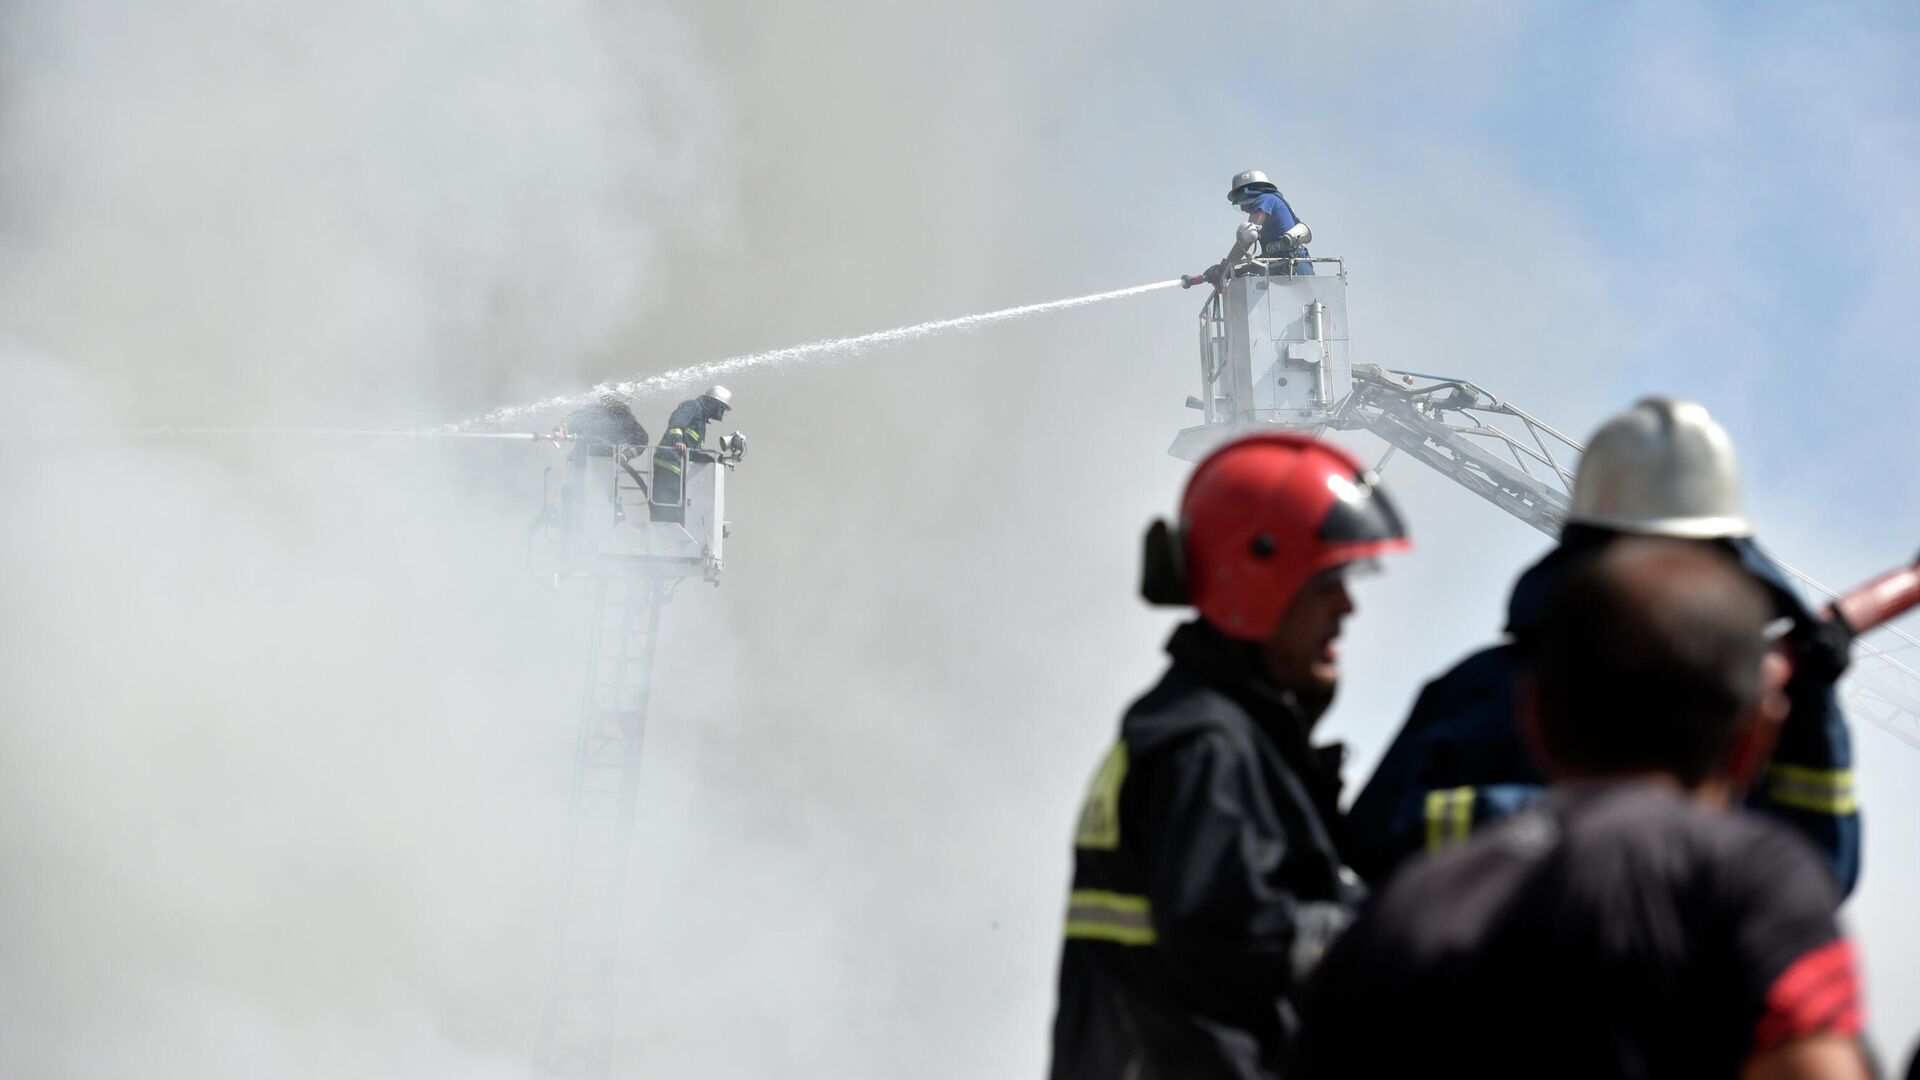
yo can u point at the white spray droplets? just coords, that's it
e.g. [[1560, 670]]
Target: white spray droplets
[[665, 382]]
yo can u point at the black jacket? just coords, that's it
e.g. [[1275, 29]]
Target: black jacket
[[1205, 878], [687, 424]]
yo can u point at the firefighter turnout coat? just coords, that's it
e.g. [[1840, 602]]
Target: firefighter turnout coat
[[1459, 762], [686, 426], [1205, 878]]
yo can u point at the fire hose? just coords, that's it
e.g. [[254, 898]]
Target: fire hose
[[1877, 601]]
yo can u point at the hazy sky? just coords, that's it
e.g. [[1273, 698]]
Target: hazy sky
[[287, 727]]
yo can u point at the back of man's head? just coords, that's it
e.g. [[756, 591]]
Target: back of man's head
[[1648, 659]]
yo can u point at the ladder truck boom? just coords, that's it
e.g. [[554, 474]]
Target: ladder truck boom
[[631, 548], [1273, 352]]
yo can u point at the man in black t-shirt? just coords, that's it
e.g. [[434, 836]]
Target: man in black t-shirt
[[1631, 925]]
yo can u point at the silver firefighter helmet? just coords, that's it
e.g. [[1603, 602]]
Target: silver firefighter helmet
[[720, 394], [1662, 468], [1252, 178]]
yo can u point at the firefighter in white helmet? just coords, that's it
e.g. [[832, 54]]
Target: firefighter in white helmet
[[686, 433], [1272, 231], [1663, 468]]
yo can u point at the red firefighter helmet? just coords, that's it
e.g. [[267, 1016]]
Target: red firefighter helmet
[[1261, 516]]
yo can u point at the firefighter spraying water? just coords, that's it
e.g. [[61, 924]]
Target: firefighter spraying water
[[1274, 235]]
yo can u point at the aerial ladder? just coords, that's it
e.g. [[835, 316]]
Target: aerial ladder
[[631, 552], [1274, 353]]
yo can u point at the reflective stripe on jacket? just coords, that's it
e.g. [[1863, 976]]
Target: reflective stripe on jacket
[[687, 424], [1204, 879]]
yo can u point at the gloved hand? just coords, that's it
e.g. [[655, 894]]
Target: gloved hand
[[1821, 651], [1216, 275]]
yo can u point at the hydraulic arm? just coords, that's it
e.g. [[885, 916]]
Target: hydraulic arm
[[1273, 352]]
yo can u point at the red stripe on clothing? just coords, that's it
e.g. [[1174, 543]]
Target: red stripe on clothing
[[1818, 994]]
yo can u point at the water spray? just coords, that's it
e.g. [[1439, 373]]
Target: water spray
[[644, 386], [325, 433], [711, 370]]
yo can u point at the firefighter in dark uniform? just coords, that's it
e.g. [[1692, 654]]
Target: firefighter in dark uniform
[[607, 426], [1631, 923], [1662, 468], [686, 432], [1205, 877]]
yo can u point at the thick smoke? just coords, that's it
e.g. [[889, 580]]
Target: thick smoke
[[287, 727]]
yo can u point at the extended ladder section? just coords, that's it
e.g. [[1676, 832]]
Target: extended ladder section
[[1273, 353], [576, 1031], [632, 542]]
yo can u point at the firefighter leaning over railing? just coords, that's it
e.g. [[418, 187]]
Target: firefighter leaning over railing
[[1663, 468], [1628, 924], [608, 428], [686, 431]]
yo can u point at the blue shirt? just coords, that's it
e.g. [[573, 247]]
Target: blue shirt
[[1279, 215]]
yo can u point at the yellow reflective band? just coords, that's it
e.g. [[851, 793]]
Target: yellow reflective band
[[686, 434], [1100, 815], [1449, 817], [1099, 915], [1819, 791], [667, 464]]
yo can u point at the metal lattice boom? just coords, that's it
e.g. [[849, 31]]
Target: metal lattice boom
[[576, 1031], [1525, 467], [1273, 353]]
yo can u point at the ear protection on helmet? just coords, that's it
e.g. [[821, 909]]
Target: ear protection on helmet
[[1260, 516], [1163, 574]]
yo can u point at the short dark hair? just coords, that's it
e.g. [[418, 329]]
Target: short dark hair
[[1646, 658]]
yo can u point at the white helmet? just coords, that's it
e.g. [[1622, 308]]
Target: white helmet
[[720, 394], [1662, 468], [1252, 178]]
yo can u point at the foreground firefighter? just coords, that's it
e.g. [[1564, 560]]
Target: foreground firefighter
[[1662, 468], [1629, 924], [1205, 877]]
